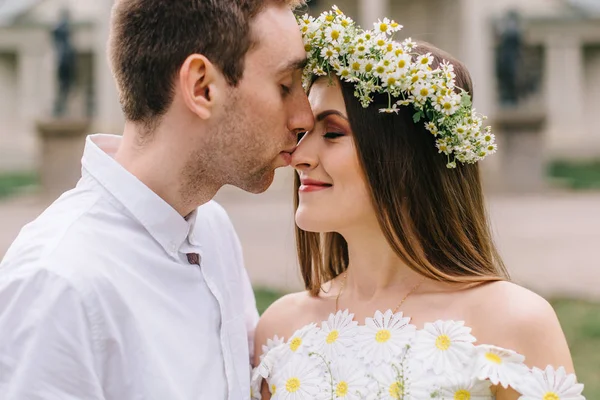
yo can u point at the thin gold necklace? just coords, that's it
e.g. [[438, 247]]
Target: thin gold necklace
[[337, 299]]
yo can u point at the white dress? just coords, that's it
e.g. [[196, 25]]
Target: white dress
[[389, 358]]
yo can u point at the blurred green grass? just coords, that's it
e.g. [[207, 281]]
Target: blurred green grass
[[13, 182], [580, 321], [577, 175]]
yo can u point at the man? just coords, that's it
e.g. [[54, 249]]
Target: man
[[131, 286]]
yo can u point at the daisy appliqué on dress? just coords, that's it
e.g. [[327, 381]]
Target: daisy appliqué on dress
[[389, 358]]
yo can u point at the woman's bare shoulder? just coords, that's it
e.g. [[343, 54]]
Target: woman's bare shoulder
[[507, 315]]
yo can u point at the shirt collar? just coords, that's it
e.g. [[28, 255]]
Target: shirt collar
[[161, 220]]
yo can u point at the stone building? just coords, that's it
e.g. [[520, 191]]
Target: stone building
[[561, 41]]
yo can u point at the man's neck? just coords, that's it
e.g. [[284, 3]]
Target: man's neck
[[157, 166]]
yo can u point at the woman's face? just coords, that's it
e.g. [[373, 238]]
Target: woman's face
[[333, 196]]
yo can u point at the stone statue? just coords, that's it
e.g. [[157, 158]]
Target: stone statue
[[509, 58], [66, 62]]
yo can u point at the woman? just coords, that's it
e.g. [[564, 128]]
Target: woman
[[407, 297]]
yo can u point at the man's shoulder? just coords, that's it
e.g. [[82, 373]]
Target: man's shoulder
[[63, 239]]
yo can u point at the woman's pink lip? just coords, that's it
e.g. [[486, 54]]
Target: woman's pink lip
[[304, 188]]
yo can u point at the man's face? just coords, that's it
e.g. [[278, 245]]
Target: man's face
[[268, 108]]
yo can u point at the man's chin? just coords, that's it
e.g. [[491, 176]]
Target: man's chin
[[258, 184]]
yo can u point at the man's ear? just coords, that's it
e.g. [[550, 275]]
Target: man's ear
[[200, 82]]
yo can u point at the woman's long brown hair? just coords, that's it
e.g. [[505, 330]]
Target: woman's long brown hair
[[433, 217]]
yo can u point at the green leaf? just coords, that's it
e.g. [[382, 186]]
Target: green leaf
[[466, 100], [417, 117]]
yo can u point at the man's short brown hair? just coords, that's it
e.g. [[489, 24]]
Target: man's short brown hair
[[150, 40]]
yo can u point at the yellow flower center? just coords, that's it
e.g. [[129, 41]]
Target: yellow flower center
[[295, 343], [307, 47], [383, 27], [345, 73], [335, 35], [447, 106], [391, 81], [461, 130], [380, 69], [345, 23], [399, 52], [462, 395], [380, 42], [332, 337], [330, 18], [415, 78], [402, 63], [490, 148], [273, 389], [551, 396], [292, 385], [329, 53], [304, 29], [390, 47], [425, 60], [342, 389], [361, 48], [443, 342], [396, 390], [495, 358], [356, 66], [383, 336], [424, 92], [488, 138], [394, 25], [369, 67]]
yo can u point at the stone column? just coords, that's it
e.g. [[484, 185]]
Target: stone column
[[109, 118], [564, 88], [62, 143], [370, 11]]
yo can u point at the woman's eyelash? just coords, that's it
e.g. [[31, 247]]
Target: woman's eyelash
[[333, 135]]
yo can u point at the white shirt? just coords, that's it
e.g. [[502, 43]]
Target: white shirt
[[99, 301]]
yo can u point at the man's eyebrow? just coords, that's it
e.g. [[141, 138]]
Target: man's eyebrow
[[294, 65]]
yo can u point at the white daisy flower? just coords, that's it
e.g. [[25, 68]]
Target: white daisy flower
[[336, 334], [271, 344], [500, 366], [550, 384], [386, 26], [298, 380], [461, 388], [349, 380], [329, 52], [443, 146], [431, 127], [448, 104], [383, 337], [403, 63], [392, 382], [409, 44], [335, 33], [444, 346], [422, 92], [301, 339], [424, 61]]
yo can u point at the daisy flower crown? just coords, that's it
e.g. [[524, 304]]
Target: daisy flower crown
[[376, 64]]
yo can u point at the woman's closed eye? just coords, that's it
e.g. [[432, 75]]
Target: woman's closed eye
[[333, 135]]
